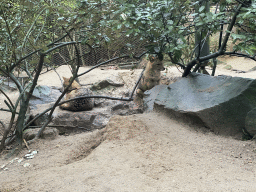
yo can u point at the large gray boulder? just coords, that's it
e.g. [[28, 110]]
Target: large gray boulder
[[220, 103]]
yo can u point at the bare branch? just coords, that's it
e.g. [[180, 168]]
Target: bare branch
[[24, 104], [7, 110], [6, 132], [229, 29], [58, 46], [8, 98], [23, 58], [240, 55], [176, 63], [221, 50], [137, 83]]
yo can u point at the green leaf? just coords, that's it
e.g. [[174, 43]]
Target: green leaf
[[201, 8], [177, 55], [107, 39], [157, 49], [249, 51], [129, 32], [119, 26], [170, 22]]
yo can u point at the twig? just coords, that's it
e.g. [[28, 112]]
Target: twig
[[137, 83], [229, 29], [221, 50], [63, 126], [214, 66], [240, 55], [97, 96], [51, 44], [77, 52], [58, 46], [7, 110], [3, 125], [74, 72], [26, 144], [20, 60]]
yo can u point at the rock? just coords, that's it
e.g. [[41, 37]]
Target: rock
[[7, 85], [41, 90], [250, 122], [106, 83], [125, 108], [220, 103], [97, 118], [253, 69], [67, 121], [40, 121], [127, 66], [150, 97], [72, 120], [49, 133], [44, 95], [100, 121]]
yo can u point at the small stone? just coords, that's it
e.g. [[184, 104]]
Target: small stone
[[26, 165], [3, 166], [30, 157], [20, 160], [34, 152]]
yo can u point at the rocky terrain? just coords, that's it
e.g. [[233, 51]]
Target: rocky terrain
[[139, 152]]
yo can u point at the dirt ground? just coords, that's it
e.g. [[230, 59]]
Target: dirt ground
[[142, 152]]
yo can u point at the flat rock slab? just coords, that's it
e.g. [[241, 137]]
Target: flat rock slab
[[79, 120], [221, 103], [106, 83]]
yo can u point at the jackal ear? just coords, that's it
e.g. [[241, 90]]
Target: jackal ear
[[66, 78], [151, 58], [160, 56]]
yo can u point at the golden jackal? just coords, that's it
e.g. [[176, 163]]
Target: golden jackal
[[75, 91]]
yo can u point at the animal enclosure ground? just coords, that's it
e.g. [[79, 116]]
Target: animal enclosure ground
[[142, 152], [146, 152]]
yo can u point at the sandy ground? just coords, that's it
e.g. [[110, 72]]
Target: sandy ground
[[144, 152]]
